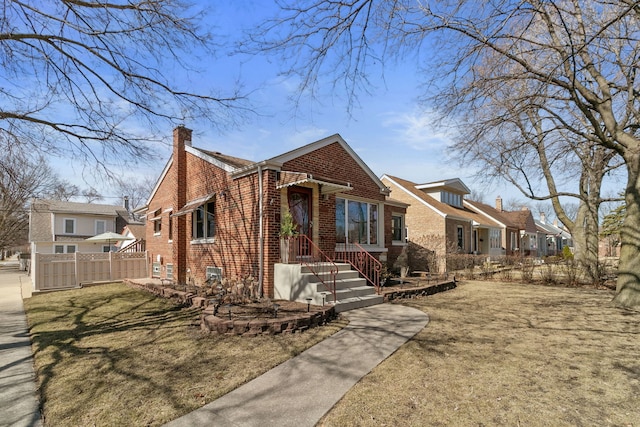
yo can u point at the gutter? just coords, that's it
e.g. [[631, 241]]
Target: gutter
[[260, 233]]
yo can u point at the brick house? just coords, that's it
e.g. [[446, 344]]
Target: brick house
[[519, 233], [213, 215], [509, 231], [438, 220]]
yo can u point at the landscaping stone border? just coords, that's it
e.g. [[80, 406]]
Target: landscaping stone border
[[418, 292], [246, 327], [253, 327]]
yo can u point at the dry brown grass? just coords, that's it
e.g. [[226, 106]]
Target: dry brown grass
[[507, 354], [112, 355]]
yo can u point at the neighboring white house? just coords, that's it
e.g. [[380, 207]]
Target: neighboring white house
[[63, 227], [57, 227]]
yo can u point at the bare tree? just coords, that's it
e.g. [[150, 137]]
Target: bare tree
[[21, 178], [91, 195], [137, 190], [62, 190], [78, 75], [570, 67]]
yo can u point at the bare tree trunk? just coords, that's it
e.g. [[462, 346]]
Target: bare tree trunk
[[628, 287], [585, 239]]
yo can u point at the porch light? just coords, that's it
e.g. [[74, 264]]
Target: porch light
[[324, 295], [308, 304]]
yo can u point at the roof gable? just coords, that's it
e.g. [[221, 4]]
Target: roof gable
[[239, 167], [492, 213], [437, 206], [454, 185], [325, 142]]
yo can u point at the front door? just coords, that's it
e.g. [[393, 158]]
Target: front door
[[300, 208]]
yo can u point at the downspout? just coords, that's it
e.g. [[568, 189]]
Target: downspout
[[260, 233]]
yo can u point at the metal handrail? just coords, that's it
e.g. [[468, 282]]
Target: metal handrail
[[137, 246], [363, 261], [302, 250]]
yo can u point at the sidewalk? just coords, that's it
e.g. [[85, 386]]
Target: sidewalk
[[18, 398], [300, 391]]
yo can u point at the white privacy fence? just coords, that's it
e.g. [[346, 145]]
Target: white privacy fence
[[61, 271]]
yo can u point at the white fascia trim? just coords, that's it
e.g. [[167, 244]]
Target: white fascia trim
[[422, 201], [199, 154], [447, 183], [483, 213], [301, 151], [251, 169], [155, 188]]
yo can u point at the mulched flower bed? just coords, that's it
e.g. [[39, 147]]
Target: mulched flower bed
[[262, 318]]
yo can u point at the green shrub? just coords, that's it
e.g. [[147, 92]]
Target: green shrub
[[566, 252]]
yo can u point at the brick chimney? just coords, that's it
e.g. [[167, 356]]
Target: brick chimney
[[499, 204], [181, 139]]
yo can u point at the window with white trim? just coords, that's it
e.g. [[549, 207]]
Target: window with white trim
[[64, 249], [397, 228], [101, 226], [495, 236], [356, 222], [69, 226], [514, 241], [204, 221], [169, 271]]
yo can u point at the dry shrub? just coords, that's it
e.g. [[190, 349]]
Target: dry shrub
[[527, 267], [571, 271], [548, 274]]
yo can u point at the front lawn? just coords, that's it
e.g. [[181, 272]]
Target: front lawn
[[507, 354], [492, 354], [112, 355]]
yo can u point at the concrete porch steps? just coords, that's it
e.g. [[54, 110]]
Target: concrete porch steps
[[352, 291]]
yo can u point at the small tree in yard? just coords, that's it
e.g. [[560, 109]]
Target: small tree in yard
[[402, 263]]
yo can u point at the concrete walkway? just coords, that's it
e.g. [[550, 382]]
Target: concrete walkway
[[18, 397], [300, 391]]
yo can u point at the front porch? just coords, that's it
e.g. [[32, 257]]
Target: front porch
[[347, 279]]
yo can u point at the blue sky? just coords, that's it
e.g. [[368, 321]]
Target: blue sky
[[388, 129]]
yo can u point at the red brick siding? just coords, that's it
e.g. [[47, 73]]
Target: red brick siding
[[236, 243], [332, 161], [393, 250]]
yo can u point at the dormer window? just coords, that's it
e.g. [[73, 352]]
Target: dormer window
[[451, 198]]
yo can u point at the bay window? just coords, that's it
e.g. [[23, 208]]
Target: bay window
[[356, 222]]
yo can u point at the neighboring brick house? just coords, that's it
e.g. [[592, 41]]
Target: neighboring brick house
[[519, 234], [215, 215], [508, 235], [438, 220], [528, 232]]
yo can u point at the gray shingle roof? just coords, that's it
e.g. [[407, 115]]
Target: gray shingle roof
[[74, 207]]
